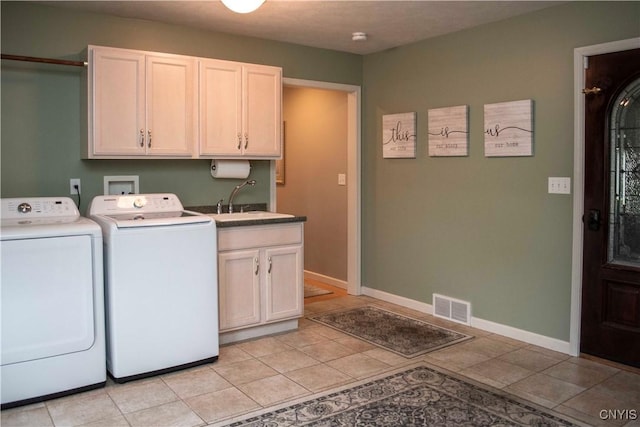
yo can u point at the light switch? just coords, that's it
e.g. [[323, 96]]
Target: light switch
[[559, 185], [342, 179]]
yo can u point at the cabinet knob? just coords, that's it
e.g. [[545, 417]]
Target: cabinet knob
[[149, 133], [239, 140], [269, 270], [246, 140], [257, 266], [141, 137]]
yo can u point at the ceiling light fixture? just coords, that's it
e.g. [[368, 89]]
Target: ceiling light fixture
[[243, 6]]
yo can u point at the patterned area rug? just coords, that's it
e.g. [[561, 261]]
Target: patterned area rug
[[413, 396], [314, 291], [394, 332]]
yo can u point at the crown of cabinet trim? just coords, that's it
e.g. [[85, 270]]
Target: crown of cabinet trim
[[155, 105]]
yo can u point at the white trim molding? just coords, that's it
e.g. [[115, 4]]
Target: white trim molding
[[325, 279], [580, 56], [485, 325], [354, 120], [396, 299]]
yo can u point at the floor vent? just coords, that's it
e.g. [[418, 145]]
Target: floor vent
[[452, 309]]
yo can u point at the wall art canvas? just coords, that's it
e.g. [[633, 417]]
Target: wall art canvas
[[508, 129], [449, 131], [399, 136]]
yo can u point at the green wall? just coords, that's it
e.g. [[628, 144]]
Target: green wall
[[41, 104], [481, 229]]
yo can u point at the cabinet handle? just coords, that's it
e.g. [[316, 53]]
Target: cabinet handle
[[141, 137], [269, 270], [149, 144], [239, 140], [257, 266], [246, 140]]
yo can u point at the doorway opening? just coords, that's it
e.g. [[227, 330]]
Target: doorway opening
[[351, 175]]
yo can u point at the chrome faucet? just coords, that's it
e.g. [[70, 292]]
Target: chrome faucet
[[235, 191]]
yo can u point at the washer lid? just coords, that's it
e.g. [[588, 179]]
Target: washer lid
[[143, 210], [155, 219]]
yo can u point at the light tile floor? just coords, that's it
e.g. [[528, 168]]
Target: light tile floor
[[260, 373]]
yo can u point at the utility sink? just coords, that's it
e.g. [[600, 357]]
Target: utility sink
[[248, 216]]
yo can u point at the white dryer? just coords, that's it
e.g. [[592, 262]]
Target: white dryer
[[53, 340], [161, 281]]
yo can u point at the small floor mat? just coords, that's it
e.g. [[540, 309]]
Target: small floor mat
[[394, 332]]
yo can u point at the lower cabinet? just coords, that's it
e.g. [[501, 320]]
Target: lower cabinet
[[239, 289], [284, 283], [260, 275]]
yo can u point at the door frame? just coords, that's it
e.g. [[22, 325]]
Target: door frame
[[579, 60], [354, 251]]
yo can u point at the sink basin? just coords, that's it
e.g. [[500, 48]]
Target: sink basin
[[248, 216]]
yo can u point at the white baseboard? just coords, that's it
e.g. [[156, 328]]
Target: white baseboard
[[486, 325], [395, 299], [325, 279], [258, 331], [522, 335]]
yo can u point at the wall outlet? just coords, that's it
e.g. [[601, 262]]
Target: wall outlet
[[559, 185], [342, 179], [72, 186]]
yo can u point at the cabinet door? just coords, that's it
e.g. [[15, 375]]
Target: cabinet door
[[117, 124], [171, 105], [283, 282], [239, 284], [220, 108], [262, 111]]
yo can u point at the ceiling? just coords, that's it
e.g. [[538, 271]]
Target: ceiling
[[325, 24]]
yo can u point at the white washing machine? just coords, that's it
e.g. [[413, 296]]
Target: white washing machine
[[161, 282], [53, 340]]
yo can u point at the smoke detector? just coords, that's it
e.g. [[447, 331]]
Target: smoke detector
[[359, 37]]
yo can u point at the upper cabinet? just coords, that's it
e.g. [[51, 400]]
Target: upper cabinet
[[240, 110], [155, 105], [172, 125], [141, 104]]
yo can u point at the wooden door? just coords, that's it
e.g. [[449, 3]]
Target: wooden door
[[239, 289], [171, 105], [118, 103], [262, 111], [284, 288], [220, 108], [611, 253]]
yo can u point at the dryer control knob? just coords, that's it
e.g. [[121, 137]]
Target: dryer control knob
[[24, 208], [139, 203]]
